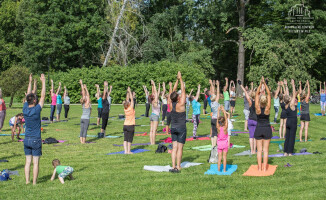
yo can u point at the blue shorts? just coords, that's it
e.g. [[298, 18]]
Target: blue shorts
[[10, 124], [226, 105], [66, 172], [33, 147]]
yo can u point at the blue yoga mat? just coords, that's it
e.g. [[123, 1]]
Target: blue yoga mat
[[229, 170], [235, 130], [317, 114], [22, 134], [133, 151]]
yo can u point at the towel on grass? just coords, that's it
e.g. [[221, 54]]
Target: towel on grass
[[157, 168]]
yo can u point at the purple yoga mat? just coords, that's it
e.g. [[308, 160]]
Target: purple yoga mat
[[295, 154], [136, 144], [275, 137]]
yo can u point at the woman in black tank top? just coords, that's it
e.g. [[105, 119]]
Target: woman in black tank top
[[178, 124], [291, 122], [263, 132], [283, 113]]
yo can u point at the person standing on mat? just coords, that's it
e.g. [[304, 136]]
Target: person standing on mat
[[129, 124], [305, 116], [59, 102], [2, 110], [99, 104], [215, 114], [188, 104], [322, 98], [110, 99], [291, 122], [205, 101], [222, 139], [276, 100], [165, 104], [226, 95], [33, 140], [178, 125], [106, 107], [87, 108], [148, 105], [263, 132], [232, 96], [252, 118], [195, 111], [154, 118], [246, 110], [282, 104], [66, 100], [54, 101]]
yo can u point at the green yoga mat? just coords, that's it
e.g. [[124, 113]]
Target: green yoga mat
[[282, 141], [238, 146], [209, 147]]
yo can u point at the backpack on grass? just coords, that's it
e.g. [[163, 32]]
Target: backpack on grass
[[161, 148], [50, 140], [100, 135], [213, 156]]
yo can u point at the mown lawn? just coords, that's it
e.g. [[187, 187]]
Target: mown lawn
[[100, 176]]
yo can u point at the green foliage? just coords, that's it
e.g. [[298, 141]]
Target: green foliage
[[69, 32], [14, 81], [134, 76]]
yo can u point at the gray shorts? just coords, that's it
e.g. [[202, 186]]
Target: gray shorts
[[59, 108], [226, 105], [246, 113], [154, 118]]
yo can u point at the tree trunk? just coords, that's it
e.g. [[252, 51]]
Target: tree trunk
[[11, 100], [241, 51], [108, 54]]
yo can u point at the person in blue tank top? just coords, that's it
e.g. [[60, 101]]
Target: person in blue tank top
[[195, 111], [322, 99], [59, 102], [99, 104]]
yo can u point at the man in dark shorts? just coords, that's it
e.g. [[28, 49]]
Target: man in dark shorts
[[33, 140]]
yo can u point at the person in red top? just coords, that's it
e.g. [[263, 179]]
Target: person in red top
[[2, 110], [129, 124]]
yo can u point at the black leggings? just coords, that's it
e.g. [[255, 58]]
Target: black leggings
[[52, 112], [148, 106], [291, 130], [66, 107], [164, 109], [105, 118]]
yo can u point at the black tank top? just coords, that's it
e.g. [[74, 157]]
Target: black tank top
[[290, 113], [252, 115], [262, 119], [178, 119], [283, 106]]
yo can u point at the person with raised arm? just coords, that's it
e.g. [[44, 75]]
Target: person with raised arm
[[283, 116], [263, 132], [188, 104], [226, 95], [305, 116], [232, 97], [3, 109], [87, 108], [252, 118], [53, 101], [165, 104], [99, 104], [322, 98], [66, 100], [148, 105], [178, 125], [59, 102], [33, 140], [291, 122], [154, 118], [129, 123], [276, 100], [215, 114], [106, 107], [195, 111], [223, 142]]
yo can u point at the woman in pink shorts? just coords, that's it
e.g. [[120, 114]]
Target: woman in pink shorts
[[222, 139]]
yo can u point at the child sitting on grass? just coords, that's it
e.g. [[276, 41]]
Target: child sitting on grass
[[62, 171], [14, 123], [222, 139]]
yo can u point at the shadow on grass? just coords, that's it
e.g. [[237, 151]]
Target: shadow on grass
[[17, 167], [12, 156], [6, 142], [93, 139], [190, 158], [44, 178]]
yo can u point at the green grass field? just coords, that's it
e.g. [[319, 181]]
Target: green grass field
[[100, 176]]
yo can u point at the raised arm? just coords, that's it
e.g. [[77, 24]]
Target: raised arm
[[110, 90], [293, 93], [246, 95], [175, 87], [268, 106], [277, 90], [226, 85], [131, 99], [35, 87], [190, 92], [251, 86], [308, 94], [212, 87], [286, 87], [163, 93], [98, 91], [183, 89], [88, 98], [217, 90], [198, 93], [59, 88], [230, 86], [158, 91], [82, 88], [105, 91], [65, 91], [29, 89], [52, 87], [257, 107], [41, 101]]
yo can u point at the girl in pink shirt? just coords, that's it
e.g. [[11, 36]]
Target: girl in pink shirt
[[222, 139]]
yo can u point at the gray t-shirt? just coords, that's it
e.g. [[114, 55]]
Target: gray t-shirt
[[86, 112], [110, 101], [246, 103], [214, 106], [66, 100]]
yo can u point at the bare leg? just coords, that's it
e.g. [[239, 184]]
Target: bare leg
[[125, 147], [281, 126], [174, 153], [259, 152], [81, 140], [219, 161], [251, 142], [246, 125], [179, 155], [27, 168], [19, 130], [155, 124], [301, 129], [61, 180], [306, 131], [151, 133], [167, 129], [255, 145], [98, 121], [129, 147], [12, 133], [266, 149], [36, 160], [224, 160]]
